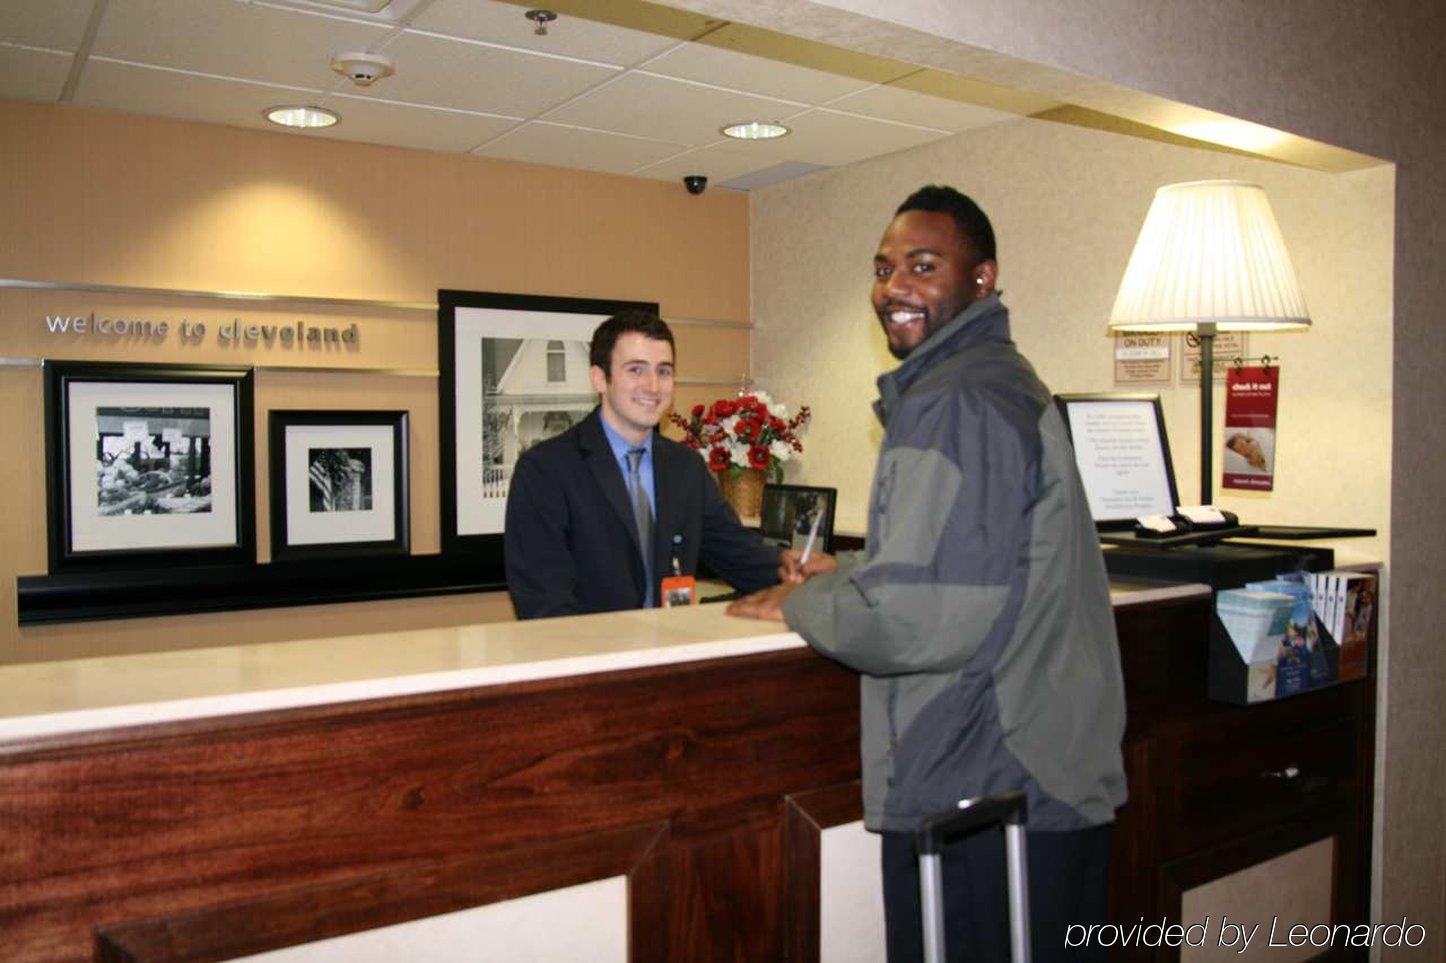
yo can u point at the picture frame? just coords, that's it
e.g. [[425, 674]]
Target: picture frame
[[512, 370], [148, 465], [788, 511], [340, 483], [1123, 454]]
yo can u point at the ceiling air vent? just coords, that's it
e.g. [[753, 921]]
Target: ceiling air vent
[[374, 7]]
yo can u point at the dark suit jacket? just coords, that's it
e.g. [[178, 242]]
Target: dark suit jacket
[[571, 542]]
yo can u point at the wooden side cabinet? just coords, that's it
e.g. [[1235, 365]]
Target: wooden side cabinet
[[1216, 789]]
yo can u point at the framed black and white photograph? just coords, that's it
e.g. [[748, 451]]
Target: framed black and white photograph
[[790, 513], [148, 464], [514, 371], [338, 483]]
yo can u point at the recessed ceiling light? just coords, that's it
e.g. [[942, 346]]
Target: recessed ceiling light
[[755, 130], [302, 116]]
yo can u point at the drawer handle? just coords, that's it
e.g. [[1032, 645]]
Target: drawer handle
[[1289, 772]]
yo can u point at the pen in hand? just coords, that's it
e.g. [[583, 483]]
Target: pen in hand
[[812, 536]]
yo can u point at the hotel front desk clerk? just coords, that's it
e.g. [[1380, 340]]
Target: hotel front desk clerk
[[581, 504]]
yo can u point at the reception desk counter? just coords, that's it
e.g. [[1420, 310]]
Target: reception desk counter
[[212, 804]]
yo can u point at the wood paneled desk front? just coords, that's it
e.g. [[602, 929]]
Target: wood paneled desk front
[[209, 804]]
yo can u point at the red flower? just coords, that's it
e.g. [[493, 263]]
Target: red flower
[[749, 423]]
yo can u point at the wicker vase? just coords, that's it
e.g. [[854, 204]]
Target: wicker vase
[[744, 491]]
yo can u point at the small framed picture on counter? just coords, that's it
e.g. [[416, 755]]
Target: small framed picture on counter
[[791, 513]]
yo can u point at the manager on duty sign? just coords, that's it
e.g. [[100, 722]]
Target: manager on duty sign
[[1143, 359]]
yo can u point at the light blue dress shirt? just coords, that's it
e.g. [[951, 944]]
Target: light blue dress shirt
[[621, 446]]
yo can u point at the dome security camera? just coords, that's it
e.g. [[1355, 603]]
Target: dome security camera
[[695, 183]]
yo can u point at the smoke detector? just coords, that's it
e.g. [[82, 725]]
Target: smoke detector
[[362, 68]]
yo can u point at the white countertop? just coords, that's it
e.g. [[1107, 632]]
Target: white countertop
[[54, 698]]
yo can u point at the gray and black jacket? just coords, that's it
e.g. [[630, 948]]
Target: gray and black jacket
[[979, 613]]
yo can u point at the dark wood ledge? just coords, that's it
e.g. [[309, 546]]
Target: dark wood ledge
[[91, 595]]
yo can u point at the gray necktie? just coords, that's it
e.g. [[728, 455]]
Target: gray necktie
[[642, 511]]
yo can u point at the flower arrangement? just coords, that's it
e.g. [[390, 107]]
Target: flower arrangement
[[750, 431]]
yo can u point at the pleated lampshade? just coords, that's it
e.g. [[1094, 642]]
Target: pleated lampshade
[[1209, 252]]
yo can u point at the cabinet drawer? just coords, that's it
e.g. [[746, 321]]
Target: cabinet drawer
[[1246, 778]]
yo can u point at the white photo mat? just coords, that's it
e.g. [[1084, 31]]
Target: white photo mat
[[477, 514], [376, 524], [90, 531], [1121, 458]]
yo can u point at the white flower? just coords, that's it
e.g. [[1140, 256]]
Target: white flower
[[781, 450], [739, 453], [779, 410], [728, 425]]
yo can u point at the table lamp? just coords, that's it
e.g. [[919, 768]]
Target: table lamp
[[1209, 258]]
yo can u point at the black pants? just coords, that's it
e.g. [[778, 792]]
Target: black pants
[[1068, 879]]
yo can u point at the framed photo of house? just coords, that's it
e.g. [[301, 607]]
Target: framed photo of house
[[148, 465], [791, 512], [514, 371], [339, 484]]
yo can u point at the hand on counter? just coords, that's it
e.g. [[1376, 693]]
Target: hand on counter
[[793, 569], [767, 604]]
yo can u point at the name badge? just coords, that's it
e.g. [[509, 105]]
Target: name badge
[[679, 590]]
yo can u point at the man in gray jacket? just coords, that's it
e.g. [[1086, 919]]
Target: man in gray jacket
[[979, 614]]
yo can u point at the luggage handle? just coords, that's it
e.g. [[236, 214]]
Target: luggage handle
[[971, 815]]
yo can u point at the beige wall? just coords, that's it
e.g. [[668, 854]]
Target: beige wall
[[103, 198], [1362, 76], [1065, 231]]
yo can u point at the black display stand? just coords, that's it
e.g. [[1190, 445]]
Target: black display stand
[[1226, 565]]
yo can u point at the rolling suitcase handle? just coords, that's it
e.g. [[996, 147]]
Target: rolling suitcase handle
[[940, 829]]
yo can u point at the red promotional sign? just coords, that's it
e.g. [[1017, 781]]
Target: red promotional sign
[[1249, 456]]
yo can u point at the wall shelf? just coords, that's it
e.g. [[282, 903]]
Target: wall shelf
[[141, 593]]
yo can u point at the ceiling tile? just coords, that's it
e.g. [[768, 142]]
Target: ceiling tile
[[468, 76], [543, 143], [32, 74], [377, 122], [44, 23], [821, 137], [167, 93], [890, 103], [754, 75], [777, 174], [568, 36], [246, 41], [667, 109], [718, 164]]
